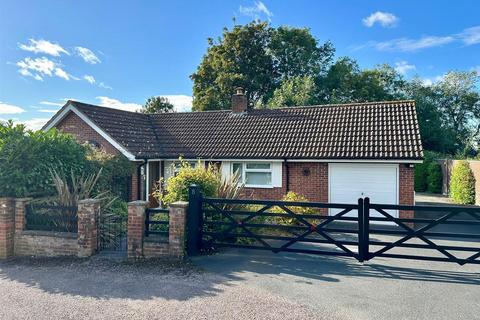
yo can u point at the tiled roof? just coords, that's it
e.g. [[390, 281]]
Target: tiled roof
[[377, 130]]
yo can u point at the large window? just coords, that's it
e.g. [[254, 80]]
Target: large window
[[254, 174]]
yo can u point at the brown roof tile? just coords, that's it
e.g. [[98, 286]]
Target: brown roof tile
[[377, 130]]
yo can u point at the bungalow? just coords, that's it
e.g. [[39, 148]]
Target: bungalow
[[329, 153]]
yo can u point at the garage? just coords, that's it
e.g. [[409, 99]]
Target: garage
[[350, 181]]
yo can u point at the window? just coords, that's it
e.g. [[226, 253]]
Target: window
[[254, 174]]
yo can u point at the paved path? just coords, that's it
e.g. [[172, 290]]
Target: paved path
[[345, 289]]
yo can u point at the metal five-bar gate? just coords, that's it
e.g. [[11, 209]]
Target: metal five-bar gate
[[362, 230]]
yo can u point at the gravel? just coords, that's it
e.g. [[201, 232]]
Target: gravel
[[105, 289]]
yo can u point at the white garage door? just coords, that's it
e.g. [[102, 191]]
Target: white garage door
[[348, 182]]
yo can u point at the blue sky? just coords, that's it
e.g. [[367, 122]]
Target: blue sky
[[118, 53]]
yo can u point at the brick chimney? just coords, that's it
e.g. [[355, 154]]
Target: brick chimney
[[239, 101]]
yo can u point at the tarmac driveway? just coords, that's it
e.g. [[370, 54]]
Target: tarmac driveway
[[342, 288]]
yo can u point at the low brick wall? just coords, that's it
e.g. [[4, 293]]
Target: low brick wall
[[45, 243], [156, 246], [16, 241]]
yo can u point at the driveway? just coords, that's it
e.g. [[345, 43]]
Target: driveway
[[103, 289], [342, 288]]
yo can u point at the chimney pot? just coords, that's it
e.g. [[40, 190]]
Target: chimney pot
[[239, 101]]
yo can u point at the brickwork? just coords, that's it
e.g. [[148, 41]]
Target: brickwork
[[20, 204], [156, 246], [136, 228], [46, 243], [7, 227], [83, 133], [88, 213], [406, 189]]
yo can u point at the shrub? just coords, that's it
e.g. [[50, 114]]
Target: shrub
[[116, 172], [26, 158], [421, 177], [292, 196], [462, 184], [208, 179], [434, 177]]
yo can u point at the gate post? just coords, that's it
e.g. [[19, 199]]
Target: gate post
[[366, 228], [361, 231], [87, 234], [194, 220]]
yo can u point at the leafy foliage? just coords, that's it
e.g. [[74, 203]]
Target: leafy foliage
[[116, 172], [296, 91], [294, 197], [434, 177], [462, 184], [157, 105], [258, 58], [26, 158], [208, 180], [421, 177]]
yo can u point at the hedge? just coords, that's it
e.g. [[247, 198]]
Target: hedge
[[462, 184]]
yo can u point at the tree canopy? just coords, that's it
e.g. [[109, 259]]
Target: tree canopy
[[157, 105], [287, 66]]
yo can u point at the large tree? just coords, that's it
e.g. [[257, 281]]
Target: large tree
[[296, 91], [157, 105], [258, 58]]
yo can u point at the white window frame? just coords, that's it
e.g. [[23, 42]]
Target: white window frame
[[245, 170]]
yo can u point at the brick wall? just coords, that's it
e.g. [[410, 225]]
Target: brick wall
[[16, 241], [83, 132], [307, 178], [406, 189], [45, 243], [156, 246]]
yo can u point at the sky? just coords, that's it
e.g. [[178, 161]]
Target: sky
[[119, 53]]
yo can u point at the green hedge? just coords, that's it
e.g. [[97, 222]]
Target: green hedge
[[462, 184], [428, 177]]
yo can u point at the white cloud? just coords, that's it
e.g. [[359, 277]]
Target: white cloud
[[49, 103], [470, 36], [87, 55], [432, 81], [40, 67], [43, 46], [6, 108], [405, 44], [477, 69], [403, 67], [35, 123], [256, 10], [386, 19], [181, 103], [89, 79], [103, 85], [117, 104]]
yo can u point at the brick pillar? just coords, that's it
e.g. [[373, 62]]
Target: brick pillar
[[136, 228], [88, 214], [7, 227], [20, 221], [407, 191], [177, 213]]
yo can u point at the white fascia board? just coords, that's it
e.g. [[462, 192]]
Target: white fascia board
[[106, 136], [354, 161]]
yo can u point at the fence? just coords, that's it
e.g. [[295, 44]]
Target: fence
[[156, 222], [362, 230], [51, 218]]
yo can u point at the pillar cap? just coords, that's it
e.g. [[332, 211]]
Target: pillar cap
[[88, 201], [138, 203], [179, 204]]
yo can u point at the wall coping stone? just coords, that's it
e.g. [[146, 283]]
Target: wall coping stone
[[88, 201], [138, 203], [179, 204]]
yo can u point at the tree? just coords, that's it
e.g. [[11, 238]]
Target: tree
[[258, 58], [157, 105], [345, 82], [296, 91], [462, 184]]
